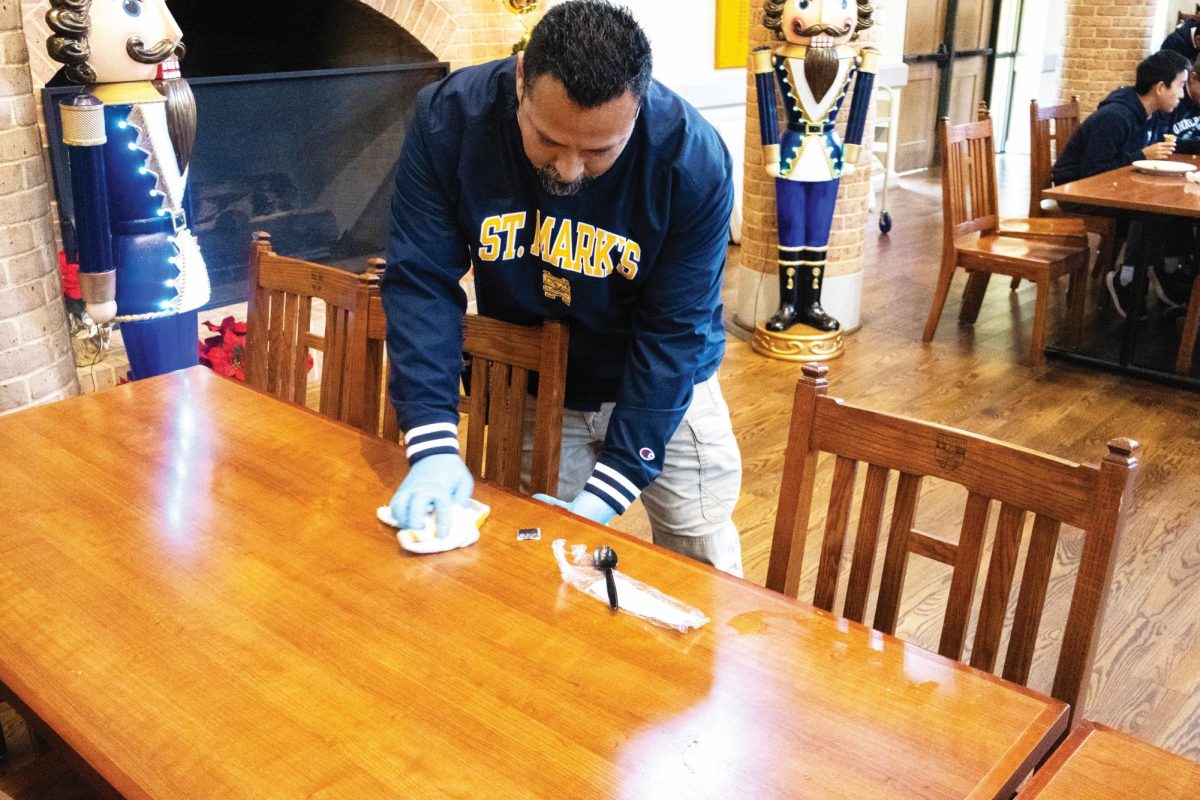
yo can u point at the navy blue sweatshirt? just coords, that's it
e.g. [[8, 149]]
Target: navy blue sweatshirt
[[1182, 41], [634, 262], [1184, 122], [1114, 136]]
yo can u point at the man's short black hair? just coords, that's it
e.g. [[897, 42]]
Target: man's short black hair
[[594, 47], [1162, 67]]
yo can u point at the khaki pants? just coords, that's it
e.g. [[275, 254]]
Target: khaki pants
[[690, 505]]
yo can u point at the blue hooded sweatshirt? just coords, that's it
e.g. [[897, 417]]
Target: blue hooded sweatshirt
[[1114, 136], [1182, 41], [634, 262]]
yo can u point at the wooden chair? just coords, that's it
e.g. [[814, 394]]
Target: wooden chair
[[971, 238], [50, 775], [1068, 231], [1191, 325], [278, 340], [1050, 128], [1055, 491], [502, 357]]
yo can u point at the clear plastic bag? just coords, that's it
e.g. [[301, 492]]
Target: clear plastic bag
[[635, 597]]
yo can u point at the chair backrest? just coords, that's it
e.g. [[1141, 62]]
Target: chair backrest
[[1022, 481], [278, 339], [1050, 128], [969, 195], [502, 357]]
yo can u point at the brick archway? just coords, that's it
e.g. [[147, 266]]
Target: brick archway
[[461, 32], [427, 20]]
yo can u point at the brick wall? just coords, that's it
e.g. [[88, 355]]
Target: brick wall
[[1104, 41], [36, 362], [759, 240]]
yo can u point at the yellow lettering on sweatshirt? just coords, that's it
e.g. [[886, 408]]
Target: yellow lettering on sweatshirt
[[489, 239]]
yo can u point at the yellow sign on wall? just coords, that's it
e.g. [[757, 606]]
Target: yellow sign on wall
[[733, 34]]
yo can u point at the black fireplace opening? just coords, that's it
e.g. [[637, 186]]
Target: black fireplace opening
[[302, 107]]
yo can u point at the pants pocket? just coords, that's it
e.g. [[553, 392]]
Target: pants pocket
[[720, 461]]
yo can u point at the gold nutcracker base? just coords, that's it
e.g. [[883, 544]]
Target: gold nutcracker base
[[798, 343]]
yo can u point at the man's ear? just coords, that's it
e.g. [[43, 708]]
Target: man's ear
[[521, 75]]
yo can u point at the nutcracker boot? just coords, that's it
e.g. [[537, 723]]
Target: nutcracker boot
[[810, 277], [791, 261]]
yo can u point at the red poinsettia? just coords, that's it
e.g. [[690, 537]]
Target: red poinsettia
[[70, 276], [225, 352]]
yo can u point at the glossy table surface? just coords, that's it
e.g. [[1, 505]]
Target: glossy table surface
[[1099, 763], [199, 601], [1130, 190]]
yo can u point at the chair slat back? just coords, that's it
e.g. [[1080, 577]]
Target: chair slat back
[[278, 337], [1050, 128], [1020, 482], [969, 194], [503, 358]]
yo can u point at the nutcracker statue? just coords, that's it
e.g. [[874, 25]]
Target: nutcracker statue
[[814, 65], [129, 136]]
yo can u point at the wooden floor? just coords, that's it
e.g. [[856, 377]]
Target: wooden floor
[[1147, 678]]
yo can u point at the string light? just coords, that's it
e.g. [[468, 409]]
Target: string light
[[132, 146]]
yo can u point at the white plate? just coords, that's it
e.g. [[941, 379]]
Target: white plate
[[1164, 167]]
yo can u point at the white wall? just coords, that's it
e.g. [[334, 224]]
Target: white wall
[[890, 21], [1169, 12]]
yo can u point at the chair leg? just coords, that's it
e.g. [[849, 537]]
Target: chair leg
[[1076, 296], [939, 301], [1016, 284], [1191, 322], [1106, 253], [977, 283], [1037, 341]]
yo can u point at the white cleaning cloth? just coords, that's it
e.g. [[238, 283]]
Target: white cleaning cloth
[[465, 522]]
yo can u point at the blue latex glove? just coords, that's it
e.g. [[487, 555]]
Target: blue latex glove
[[434, 481], [585, 504]]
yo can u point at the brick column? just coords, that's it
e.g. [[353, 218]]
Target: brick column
[[1104, 41], [758, 289], [36, 362]]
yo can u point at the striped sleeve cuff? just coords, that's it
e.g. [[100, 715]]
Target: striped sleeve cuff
[[431, 440], [612, 487]]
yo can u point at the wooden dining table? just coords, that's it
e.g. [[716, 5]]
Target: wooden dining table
[[199, 601], [1153, 200], [1099, 763]]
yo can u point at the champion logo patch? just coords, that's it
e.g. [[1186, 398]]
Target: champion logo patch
[[646, 453]]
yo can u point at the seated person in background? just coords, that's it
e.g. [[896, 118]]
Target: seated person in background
[[1184, 40], [1184, 122], [1172, 280], [1128, 126], [1124, 128]]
